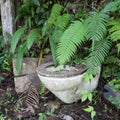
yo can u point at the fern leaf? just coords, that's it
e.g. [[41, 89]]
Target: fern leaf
[[55, 12], [15, 39], [96, 57], [72, 37], [96, 25], [114, 29], [57, 35], [112, 6], [33, 35], [62, 21]]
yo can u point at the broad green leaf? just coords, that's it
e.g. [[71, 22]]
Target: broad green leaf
[[33, 35], [15, 39], [93, 113], [84, 97], [89, 109], [90, 97], [19, 59]]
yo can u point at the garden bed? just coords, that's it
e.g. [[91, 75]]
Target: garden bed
[[8, 97]]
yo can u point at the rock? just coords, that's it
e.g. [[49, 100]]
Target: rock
[[28, 75]]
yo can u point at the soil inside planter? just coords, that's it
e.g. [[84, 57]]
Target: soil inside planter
[[50, 70]]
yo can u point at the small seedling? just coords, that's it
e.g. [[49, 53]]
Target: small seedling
[[91, 110], [41, 116], [86, 95]]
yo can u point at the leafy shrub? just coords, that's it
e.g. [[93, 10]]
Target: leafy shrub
[[5, 56]]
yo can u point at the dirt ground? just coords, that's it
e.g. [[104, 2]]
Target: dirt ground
[[50, 108]]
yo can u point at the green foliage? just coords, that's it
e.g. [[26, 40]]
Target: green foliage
[[2, 117], [33, 35], [112, 60], [25, 43], [96, 26], [72, 37], [5, 56], [86, 95], [91, 110], [43, 116], [115, 101], [111, 67], [115, 84], [15, 39], [114, 29], [112, 6], [97, 56], [88, 77], [41, 89], [54, 27]]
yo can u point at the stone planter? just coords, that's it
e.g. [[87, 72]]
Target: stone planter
[[66, 82]]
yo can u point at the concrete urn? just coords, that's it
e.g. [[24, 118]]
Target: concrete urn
[[66, 82]]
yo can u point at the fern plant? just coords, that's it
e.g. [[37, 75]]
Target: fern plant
[[114, 31], [54, 27], [92, 29]]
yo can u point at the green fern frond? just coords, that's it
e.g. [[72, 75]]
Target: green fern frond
[[112, 6], [48, 26], [114, 29], [96, 25], [96, 57], [57, 33], [62, 21], [72, 37], [55, 12]]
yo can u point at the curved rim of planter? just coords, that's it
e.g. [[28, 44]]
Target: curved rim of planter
[[42, 70]]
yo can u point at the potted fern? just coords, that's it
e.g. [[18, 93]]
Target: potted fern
[[63, 79]]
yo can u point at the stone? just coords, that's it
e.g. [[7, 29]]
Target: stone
[[28, 75]]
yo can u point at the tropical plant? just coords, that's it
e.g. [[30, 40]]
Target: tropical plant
[[21, 43], [27, 40], [5, 56], [55, 26], [94, 28]]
